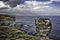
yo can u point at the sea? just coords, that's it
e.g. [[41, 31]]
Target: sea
[[31, 19]]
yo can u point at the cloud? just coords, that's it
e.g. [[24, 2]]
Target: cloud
[[14, 3], [37, 2], [55, 0], [1, 4], [34, 5], [42, 0], [32, 12], [32, 8]]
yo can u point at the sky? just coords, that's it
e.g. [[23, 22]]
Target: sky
[[30, 7]]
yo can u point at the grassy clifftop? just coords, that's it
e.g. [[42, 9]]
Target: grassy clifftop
[[11, 33]]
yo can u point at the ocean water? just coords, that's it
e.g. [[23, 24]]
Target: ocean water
[[31, 19], [27, 19]]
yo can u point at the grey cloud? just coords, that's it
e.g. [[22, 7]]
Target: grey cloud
[[4, 8], [4, 0], [12, 3], [42, 12]]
